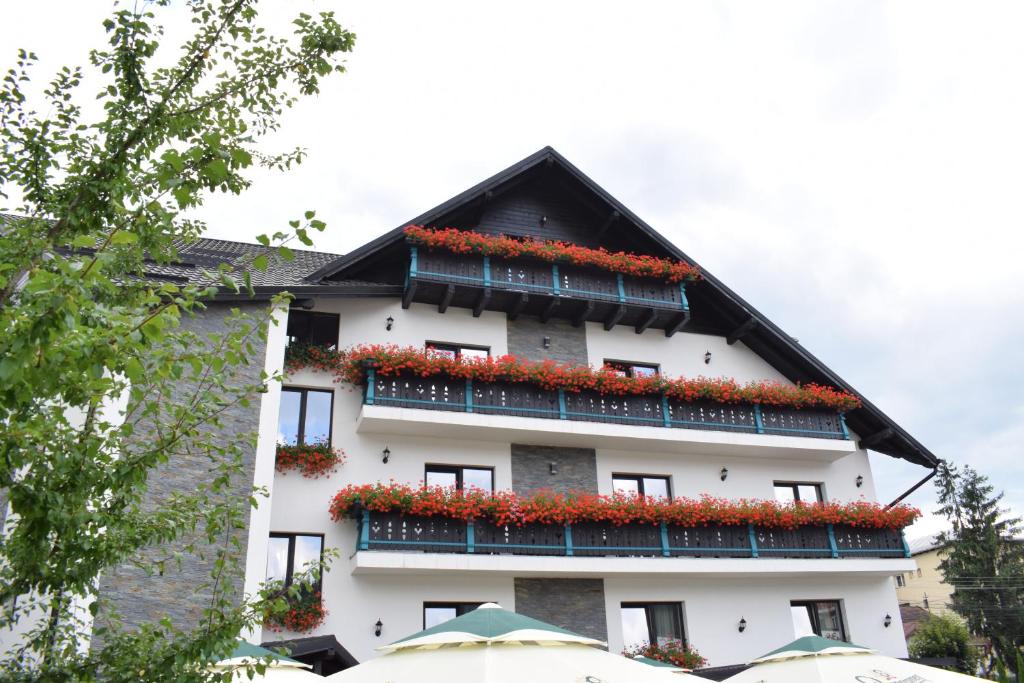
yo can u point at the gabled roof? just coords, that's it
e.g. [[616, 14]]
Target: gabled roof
[[734, 317]]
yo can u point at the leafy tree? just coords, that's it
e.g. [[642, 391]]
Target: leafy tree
[[101, 380], [981, 559], [945, 636]]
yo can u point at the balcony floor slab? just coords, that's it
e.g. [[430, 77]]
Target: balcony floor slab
[[544, 432]]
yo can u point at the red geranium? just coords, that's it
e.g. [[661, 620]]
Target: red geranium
[[468, 242], [671, 652], [312, 460], [305, 613]]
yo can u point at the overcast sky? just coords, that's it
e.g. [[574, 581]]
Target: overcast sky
[[853, 169]]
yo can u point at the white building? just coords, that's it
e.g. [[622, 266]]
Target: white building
[[751, 594]]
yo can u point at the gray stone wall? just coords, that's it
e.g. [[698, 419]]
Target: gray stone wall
[[575, 469], [568, 344], [573, 604], [181, 593]]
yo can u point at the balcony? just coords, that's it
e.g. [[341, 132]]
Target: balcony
[[546, 290], [393, 543], [526, 413]]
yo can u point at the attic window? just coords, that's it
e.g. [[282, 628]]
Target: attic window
[[312, 328]]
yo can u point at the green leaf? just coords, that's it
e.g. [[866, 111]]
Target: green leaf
[[121, 237], [216, 171], [286, 253], [260, 262]]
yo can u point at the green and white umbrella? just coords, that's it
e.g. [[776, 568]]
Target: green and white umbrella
[[279, 669], [492, 645], [812, 660]]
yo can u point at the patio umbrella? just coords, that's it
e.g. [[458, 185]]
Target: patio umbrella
[[812, 659], [492, 645], [279, 670]]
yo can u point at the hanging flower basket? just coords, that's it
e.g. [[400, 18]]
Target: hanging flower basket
[[468, 242], [349, 365], [672, 652], [311, 460], [546, 507], [305, 613]]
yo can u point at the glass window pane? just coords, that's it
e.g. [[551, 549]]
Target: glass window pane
[[277, 559], [667, 623], [318, 417], [474, 353], [785, 494], [830, 620], [478, 479], [307, 551], [627, 486], [809, 492], [634, 627], [288, 418], [655, 487], [432, 616], [446, 479], [644, 371], [445, 351], [802, 621]]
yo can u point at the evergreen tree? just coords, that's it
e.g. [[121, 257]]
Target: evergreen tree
[[982, 561]]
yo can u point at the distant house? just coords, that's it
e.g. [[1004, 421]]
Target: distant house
[[925, 586]]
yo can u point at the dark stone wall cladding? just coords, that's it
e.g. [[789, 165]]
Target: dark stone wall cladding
[[178, 593], [526, 340], [575, 469], [573, 604]]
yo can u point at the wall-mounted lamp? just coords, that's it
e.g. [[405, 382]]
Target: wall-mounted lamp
[[707, 358], [387, 456], [887, 621], [389, 323], [377, 628], [724, 474], [547, 342], [543, 221], [859, 480], [743, 625], [553, 467]]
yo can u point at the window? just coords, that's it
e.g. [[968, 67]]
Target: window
[[305, 416], [313, 328], [435, 613], [460, 477], [291, 554], [655, 622], [789, 491], [900, 581], [642, 484], [457, 350], [818, 618], [630, 369]]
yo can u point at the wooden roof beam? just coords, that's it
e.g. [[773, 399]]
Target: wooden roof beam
[[446, 299], [612, 217], [741, 331], [613, 319], [481, 301], [410, 291], [678, 324], [877, 437], [549, 310], [584, 313], [646, 321], [518, 304]]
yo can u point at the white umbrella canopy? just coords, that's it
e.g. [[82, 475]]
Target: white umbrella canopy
[[279, 670], [492, 645], [812, 660]]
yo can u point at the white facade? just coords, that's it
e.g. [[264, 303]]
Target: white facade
[[363, 587]]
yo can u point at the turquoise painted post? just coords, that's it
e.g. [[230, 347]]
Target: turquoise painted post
[[665, 415], [364, 531], [622, 288], [757, 418], [664, 540], [413, 259], [832, 541], [469, 395], [842, 423], [470, 537], [371, 385], [684, 303], [554, 279], [561, 405], [906, 548], [753, 540], [568, 540], [487, 271]]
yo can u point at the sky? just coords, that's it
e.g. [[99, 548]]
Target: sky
[[853, 169]]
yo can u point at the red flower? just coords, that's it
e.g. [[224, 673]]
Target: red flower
[[312, 460], [672, 652]]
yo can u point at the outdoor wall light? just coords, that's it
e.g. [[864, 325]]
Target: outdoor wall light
[[377, 628], [743, 625], [887, 620], [387, 456], [553, 467], [389, 323], [707, 358], [860, 480], [724, 474], [547, 342]]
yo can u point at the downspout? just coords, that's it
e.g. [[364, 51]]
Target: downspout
[[914, 487]]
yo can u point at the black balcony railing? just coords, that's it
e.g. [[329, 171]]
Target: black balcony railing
[[397, 532], [527, 400]]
